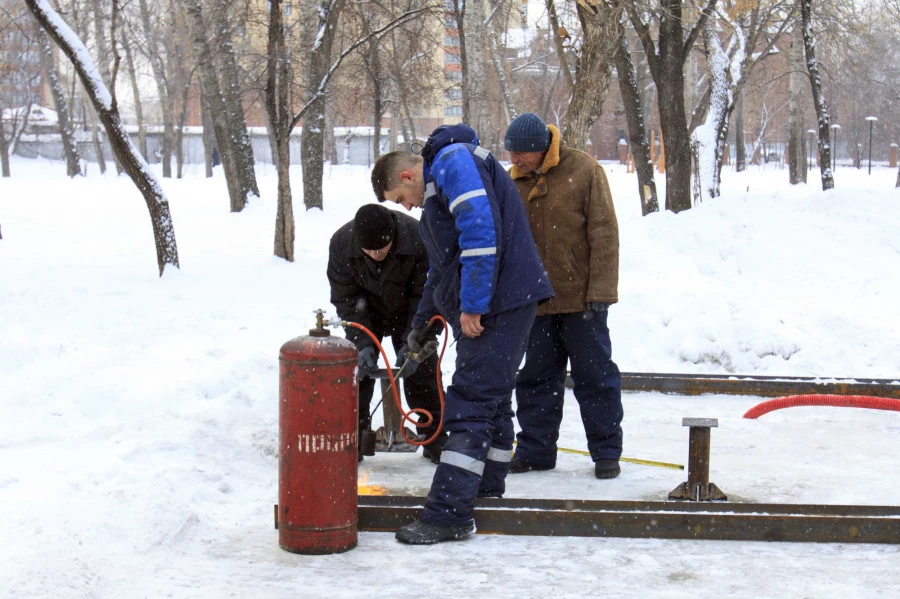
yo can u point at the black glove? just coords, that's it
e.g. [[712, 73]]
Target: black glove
[[597, 306], [419, 337], [367, 361], [403, 357]]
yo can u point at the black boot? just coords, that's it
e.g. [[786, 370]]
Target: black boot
[[517, 466], [606, 468], [420, 533]]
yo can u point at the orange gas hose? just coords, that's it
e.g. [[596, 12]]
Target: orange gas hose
[[843, 401], [407, 416]]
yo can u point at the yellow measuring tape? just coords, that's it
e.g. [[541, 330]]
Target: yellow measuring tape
[[631, 460]]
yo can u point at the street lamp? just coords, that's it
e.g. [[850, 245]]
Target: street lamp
[[834, 131], [871, 120], [809, 152]]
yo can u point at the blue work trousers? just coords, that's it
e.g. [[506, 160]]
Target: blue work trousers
[[478, 417], [555, 340]]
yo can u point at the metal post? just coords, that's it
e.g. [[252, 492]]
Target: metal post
[[698, 487], [871, 120]]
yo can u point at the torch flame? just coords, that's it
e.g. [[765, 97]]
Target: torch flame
[[364, 489]]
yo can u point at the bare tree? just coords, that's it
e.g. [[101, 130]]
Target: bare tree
[[153, 49], [66, 131], [105, 103], [228, 123], [18, 84], [735, 40], [637, 129], [279, 110], [823, 119], [599, 27], [666, 57], [796, 133]]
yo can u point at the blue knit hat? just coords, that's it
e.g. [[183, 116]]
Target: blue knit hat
[[527, 133]]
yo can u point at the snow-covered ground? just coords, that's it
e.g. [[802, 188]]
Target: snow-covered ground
[[138, 437]]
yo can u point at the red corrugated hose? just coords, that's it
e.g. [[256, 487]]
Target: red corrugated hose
[[842, 401]]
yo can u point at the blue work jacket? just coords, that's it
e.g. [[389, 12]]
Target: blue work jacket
[[482, 256]]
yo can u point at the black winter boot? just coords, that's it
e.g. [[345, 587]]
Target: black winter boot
[[420, 533], [606, 468], [517, 466]]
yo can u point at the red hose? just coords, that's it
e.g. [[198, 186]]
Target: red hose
[[842, 401], [407, 416]]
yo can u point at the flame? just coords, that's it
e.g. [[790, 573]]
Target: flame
[[364, 489]]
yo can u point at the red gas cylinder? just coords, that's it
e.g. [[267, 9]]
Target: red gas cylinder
[[317, 485]]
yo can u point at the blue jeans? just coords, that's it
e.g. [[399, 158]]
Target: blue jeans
[[556, 339], [478, 417]]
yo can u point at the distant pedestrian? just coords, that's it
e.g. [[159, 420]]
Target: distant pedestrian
[[572, 217], [216, 161]]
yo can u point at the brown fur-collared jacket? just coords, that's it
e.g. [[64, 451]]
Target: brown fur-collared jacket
[[571, 213]]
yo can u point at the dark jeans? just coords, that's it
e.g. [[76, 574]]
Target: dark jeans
[[478, 417], [556, 339], [420, 388]]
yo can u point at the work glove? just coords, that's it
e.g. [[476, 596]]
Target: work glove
[[595, 308], [404, 358], [419, 337], [367, 361]]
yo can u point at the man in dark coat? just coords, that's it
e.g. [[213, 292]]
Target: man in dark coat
[[573, 220], [485, 279], [377, 267]]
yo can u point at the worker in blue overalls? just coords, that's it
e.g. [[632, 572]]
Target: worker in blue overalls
[[485, 278]]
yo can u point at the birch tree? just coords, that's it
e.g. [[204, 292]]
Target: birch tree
[[823, 119]]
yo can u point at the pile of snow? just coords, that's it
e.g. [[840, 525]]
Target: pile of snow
[[139, 431]]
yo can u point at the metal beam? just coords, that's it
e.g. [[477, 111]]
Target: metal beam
[[762, 386], [656, 520]]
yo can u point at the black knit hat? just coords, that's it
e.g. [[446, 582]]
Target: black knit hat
[[374, 226], [527, 133]]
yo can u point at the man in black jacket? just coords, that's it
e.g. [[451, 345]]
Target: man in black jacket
[[377, 267]]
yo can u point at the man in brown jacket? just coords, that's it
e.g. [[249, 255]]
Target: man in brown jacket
[[571, 213]]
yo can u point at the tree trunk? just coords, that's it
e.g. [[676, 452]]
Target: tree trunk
[[740, 148], [240, 187], [673, 120], [592, 72], [166, 101], [475, 81], [278, 111], [4, 154], [637, 130], [209, 138], [95, 138], [558, 41], [104, 53], [136, 168], [138, 111], [231, 93], [710, 139], [182, 119], [497, 59], [70, 146], [318, 37], [815, 81], [796, 131]]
